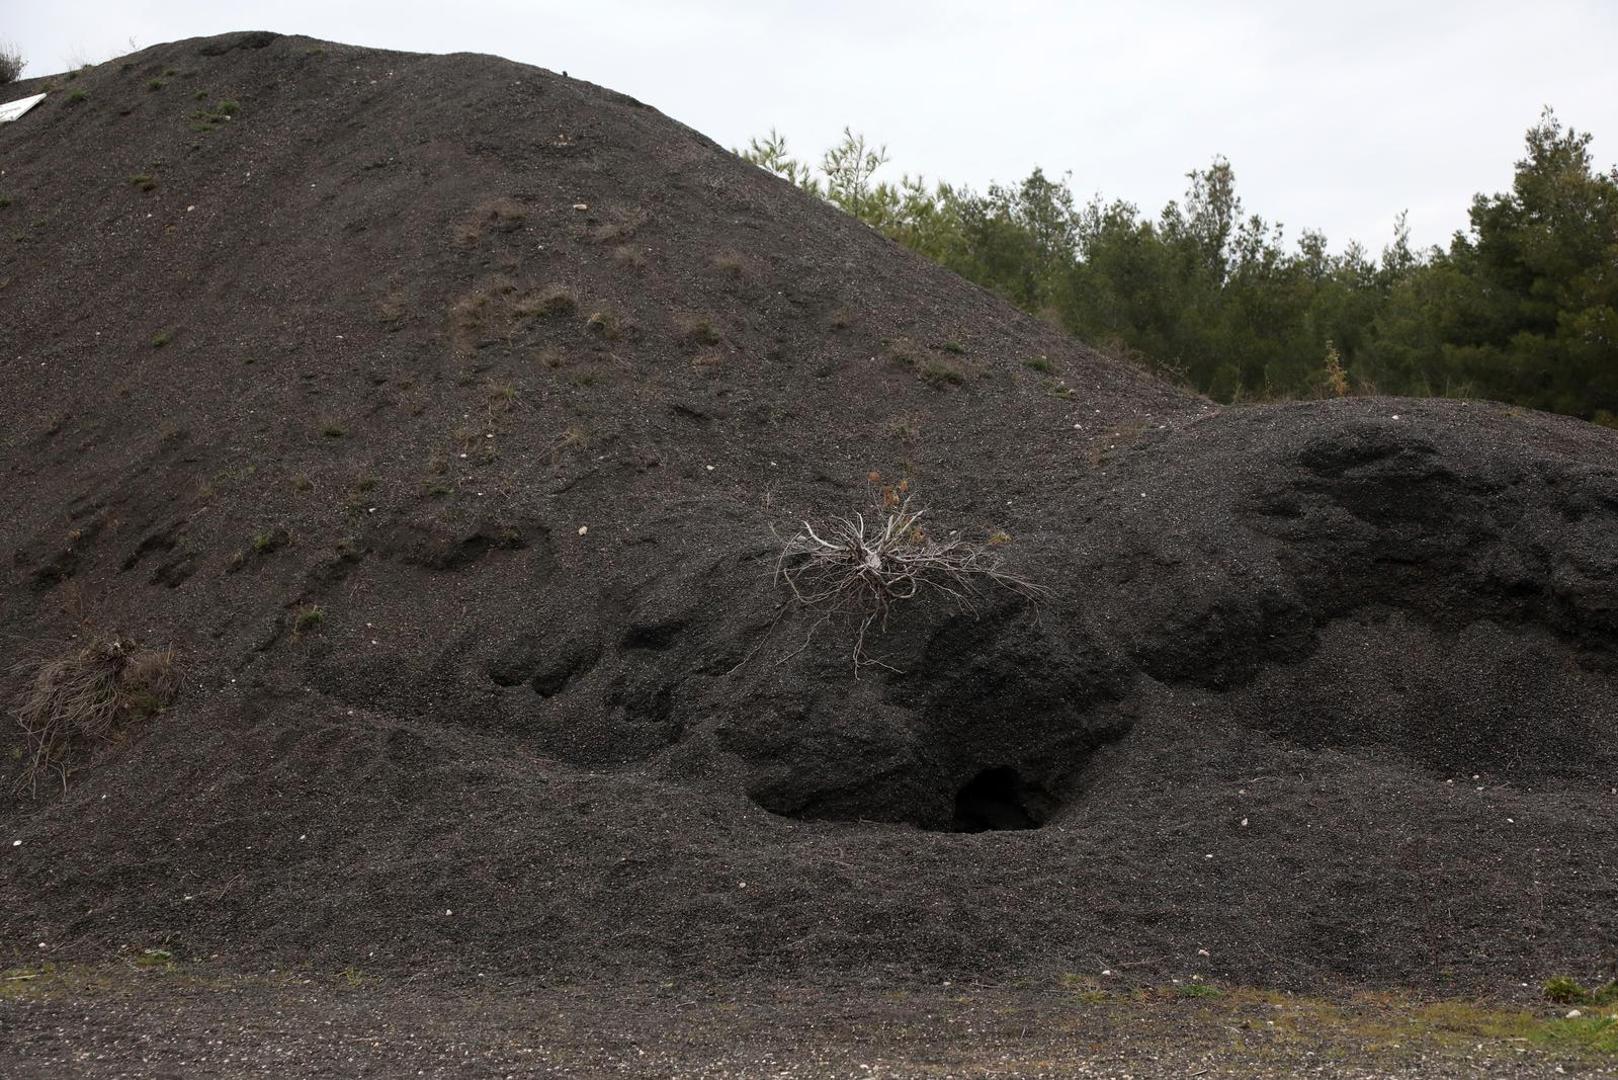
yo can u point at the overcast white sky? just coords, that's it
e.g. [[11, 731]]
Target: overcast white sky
[[1335, 116]]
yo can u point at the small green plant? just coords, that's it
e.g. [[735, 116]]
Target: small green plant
[[143, 181], [954, 347], [1563, 990], [332, 428], [77, 97], [941, 373], [1197, 990], [502, 395], [1041, 364], [208, 119], [266, 541], [154, 960], [162, 338], [1334, 380], [155, 85], [307, 618], [903, 352], [5, 201]]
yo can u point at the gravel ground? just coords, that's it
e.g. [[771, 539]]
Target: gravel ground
[[120, 1022]]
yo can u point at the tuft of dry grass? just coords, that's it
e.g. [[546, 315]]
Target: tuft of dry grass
[[605, 324], [730, 264], [698, 330], [71, 703], [502, 215], [551, 301]]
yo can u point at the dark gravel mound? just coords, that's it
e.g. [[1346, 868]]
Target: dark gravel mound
[[443, 414]]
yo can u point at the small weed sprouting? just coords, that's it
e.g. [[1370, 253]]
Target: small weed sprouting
[[78, 97], [301, 482], [153, 960], [162, 338], [942, 373], [306, 619], [332, 428], [954, 347], [903, 352], [1197, 990], [209, 119], [502, 396], [1041, 364], [1333, 377], [627, 255], [1562, 990], [155, 85], [143, 181], [269, 540]]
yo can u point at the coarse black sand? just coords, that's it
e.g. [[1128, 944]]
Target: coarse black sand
[[447, 415]]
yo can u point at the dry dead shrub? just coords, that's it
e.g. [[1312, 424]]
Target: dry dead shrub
[[72, 703], [862, 566], [11, 63]]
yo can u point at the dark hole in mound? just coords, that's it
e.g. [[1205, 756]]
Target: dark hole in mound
[[999, 798]]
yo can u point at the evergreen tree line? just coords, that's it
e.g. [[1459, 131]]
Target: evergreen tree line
[[1521, 307]]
